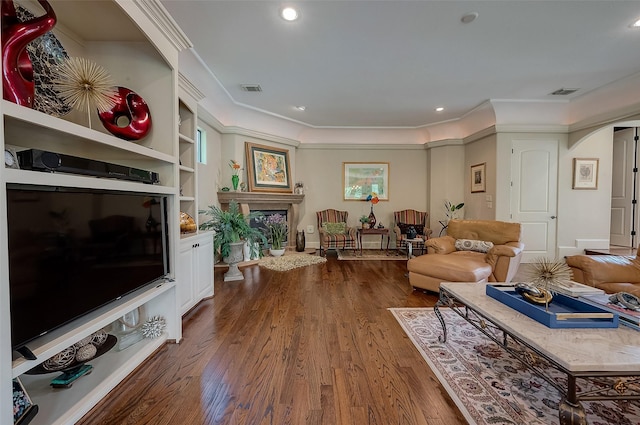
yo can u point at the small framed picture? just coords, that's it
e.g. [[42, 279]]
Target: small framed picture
[[585, 173], [478, 178], [23, 408]]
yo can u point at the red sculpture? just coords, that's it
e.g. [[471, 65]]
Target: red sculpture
[[17, 69], [132, 108]]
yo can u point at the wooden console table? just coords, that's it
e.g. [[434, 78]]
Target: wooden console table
[[375, 231]]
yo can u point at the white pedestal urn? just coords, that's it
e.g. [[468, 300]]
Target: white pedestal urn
[[236, 255], [276, 252]]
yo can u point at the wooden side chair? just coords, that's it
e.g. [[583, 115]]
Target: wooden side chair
[[406, 218], [334, 231]]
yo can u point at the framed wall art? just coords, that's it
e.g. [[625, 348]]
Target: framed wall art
[[479, 178], [585, 173], [268, 169], [361, 179]]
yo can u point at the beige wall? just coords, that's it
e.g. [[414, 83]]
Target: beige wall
[[476, 205], [320, 168]]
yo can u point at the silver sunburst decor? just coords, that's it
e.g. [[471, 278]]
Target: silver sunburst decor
[[82, 83], [545, 273], [154, 327]]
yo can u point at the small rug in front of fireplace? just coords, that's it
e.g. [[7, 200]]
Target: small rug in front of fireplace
[[290, 261]]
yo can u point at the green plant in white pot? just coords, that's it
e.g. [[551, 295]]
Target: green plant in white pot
[[232, 230], [275, 228]]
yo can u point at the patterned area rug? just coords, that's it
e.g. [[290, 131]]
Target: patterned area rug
[[490, 386], [290, 261], [370, 254]]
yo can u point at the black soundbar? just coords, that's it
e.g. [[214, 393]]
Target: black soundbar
[[35, 159]]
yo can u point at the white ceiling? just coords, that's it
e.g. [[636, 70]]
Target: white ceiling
[[363, 63]]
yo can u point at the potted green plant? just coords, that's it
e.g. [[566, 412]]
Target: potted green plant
[[451, 210], [364, 220], [232, 230]]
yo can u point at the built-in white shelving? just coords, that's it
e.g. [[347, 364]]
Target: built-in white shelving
[[141, 55]]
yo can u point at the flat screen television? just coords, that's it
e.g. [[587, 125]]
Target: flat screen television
[[72, 251]]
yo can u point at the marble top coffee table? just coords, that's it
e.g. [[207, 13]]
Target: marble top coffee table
[[608, 357]]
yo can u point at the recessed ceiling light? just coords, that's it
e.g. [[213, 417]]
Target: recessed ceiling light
[[469, 17], [301, 108], [289, 14], [636, 24], [439, 109]]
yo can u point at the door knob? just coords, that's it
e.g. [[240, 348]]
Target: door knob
[[553, 217]]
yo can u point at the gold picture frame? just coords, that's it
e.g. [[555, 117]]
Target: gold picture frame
[[361, 179], [479, 178], [585, 173], [268, 168]]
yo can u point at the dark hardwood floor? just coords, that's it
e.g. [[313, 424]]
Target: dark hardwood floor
[[315, 345]]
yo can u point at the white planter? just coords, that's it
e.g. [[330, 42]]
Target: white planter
[[276, 252]]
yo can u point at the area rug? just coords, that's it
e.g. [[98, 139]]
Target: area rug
[[370, 254], [290, 261], [490, 386]]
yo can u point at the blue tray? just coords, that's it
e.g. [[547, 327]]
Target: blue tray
[[559, 314]]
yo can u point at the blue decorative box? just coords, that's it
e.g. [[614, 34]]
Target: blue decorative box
[[564, 311]]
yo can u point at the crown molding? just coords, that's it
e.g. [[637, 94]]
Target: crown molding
[[188, 87], [336, 146], [531, 128], [444, 142], [157, 13], [259, 135]]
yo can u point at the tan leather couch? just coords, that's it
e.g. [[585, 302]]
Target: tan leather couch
[[611, 273], [444, 263]]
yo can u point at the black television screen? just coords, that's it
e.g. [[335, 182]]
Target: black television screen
[[74, 250]]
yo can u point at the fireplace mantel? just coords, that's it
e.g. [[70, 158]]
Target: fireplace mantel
[[259, 201]]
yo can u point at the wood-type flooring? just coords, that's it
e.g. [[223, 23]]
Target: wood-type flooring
[[315, 345]]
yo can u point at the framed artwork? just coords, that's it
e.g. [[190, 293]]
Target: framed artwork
[[268, 169], [361, 179], [479, 178], [23, 408], [585, 173]]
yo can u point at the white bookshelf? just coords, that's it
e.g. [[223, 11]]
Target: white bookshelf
[[142, 55]]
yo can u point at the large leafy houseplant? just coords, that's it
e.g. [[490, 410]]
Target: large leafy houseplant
[[232, 226]]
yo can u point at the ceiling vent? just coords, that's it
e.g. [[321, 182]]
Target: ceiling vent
[[564, 92], [251, 87]]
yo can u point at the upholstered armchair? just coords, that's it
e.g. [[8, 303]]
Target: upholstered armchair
[[472, 251], [407, 218], [333, 230]]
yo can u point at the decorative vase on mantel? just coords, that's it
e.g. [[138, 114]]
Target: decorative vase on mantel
[[372, 219], [236, 255], [235, 180]]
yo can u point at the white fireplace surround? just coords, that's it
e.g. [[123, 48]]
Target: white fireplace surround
[[259, 201]]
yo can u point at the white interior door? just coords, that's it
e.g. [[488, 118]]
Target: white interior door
[[622, 187], [534, 168]]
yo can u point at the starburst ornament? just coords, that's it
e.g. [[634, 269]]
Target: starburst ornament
[[154, 327], [545, 273], [82, 83]]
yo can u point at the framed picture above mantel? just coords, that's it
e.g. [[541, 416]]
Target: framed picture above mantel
[[268, 169]]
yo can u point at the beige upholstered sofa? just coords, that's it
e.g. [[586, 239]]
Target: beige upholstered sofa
[[611, 273], [458, 256]]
